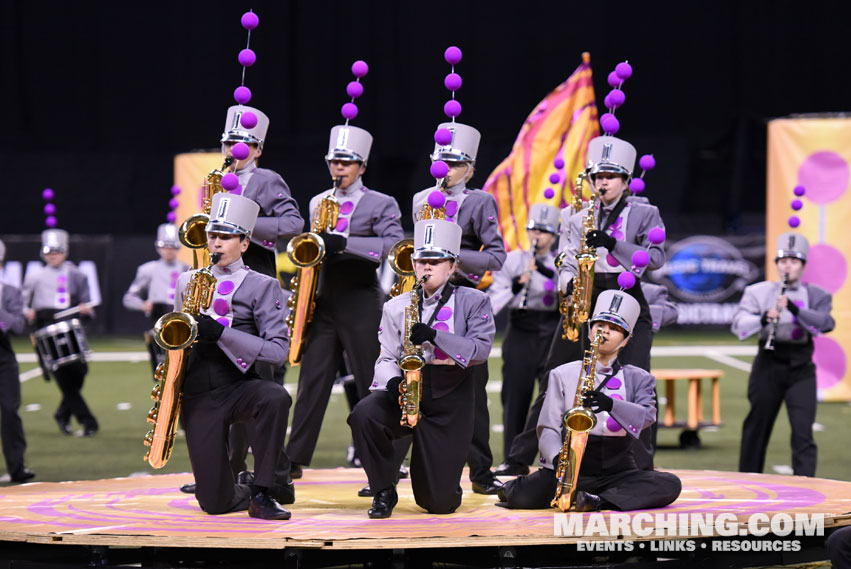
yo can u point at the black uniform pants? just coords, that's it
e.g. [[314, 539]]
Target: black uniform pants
[[207, 418], [11, 427], [479, 456], [524, 356], [772, 382], [441, 441], [69, 378], [347, 323]]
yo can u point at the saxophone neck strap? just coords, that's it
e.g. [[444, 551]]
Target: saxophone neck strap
[[613, 215], [444, 298], [615, 369]]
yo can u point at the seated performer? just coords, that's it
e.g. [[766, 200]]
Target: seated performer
[[527, 285], [58, 286], [783, 369], [242, 328], [623, 400], [152, 290], [11, 427], [454, 328]]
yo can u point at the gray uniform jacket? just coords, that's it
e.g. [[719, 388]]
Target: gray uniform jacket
[[541, 293], [482, 247], [154, 281], [56, 288], [633, 413], [11, 310], [813, 317], [279, 215], [663, 311], [468, 345], [258, 332], [373, 226], [640, 217]]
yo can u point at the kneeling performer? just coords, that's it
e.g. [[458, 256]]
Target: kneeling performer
[[243, 329], [450, 329], [618, 402]]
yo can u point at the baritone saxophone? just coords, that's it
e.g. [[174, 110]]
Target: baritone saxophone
[[411, 363], [175, 332], [578, 422]]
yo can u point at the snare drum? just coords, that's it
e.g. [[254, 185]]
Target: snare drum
[[61, 344]]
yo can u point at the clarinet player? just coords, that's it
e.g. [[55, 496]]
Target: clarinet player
[[784, 370]]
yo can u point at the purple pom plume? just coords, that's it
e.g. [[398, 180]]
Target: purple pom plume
[[175, 190], [249, 21], [452, 82], [436, 199], [240, 151], [360, 69], [248, 119], [443, 137], [613, 80], [439, 169], [558, 163], [549, 193], [610, 124], [452, 55], [247, 57], [555, 178], [452, 108], [616, 98], [623, 70], [349, 111], [636, 185], [794, 221], [50, 221], [656, 235], [640, 258], [242, 94], [230, 181], [626, 280], [354, 89], [799, 191]]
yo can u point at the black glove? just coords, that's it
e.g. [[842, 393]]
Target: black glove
[[597, 401], [393, 389], [568, 291], [208, 329], [515, 285], [556, 458], [333, 243], [793, 308], [543, 269], [598, 238], [422, 333]]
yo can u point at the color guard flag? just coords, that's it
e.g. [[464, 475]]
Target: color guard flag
[[547, 156]]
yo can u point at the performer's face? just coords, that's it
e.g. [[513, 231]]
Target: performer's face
[[55, 259], [229, 245], [458, 172], [438, 271], [347, 170], [792, 267], [614, 337], [545, 239], [610, 186], [168, 254], [253, 153]]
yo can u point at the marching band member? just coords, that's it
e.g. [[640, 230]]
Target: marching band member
[[57, 286], [11, 428], [527, 283], [279, 216], [152, 290], [482, 250], [624, 401], [348, 299], [242, 330], [454, 327], [790, 315]]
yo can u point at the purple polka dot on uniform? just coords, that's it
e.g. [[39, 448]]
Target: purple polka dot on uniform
[[613, 425], [174, 275], [617, 223], [444, 313], [616, 396], [617, 234], [171, 296], [440, 354], [342, 224], [61, 278], [347, 207], [226, 287], [797, 333], [223, 321], [548, 299], [62, 300], [221, 306], [549, 286], [442, 326], [612, 261], [450, 219], [799, 303], [61, 289], [451, 208], [614, 383]]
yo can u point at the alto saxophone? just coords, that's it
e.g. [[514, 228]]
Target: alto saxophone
[[306, 251], [577, 422], [577, 308], [193, 231], [175, 332], [411, 363]]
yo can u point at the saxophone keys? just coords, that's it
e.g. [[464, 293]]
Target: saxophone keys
[[149, 440], [156, 392], [159, 373], [153, 414]]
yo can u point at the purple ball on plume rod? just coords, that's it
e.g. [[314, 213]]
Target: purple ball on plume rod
[[626, 280], [452, 82], [360, 68], [610, 124], [171, 217], [616, 98], [175, 190], [47, 194], [230, 181], [249, 21], [555, 178], [248, 119], [247, 57], [439, 169], [436, 199], [452, 108], [647, 162], [623, 70], [240, 151], [549, 193], [797, 204], [636, 185], [50, 221], [558, 163], [656, 235], [613, 80], [640, 258], [452, 55], [799, 191], [237, 191], [354, 89], [242, 94], [349, 111], [49, 209], [794, 221], [173, 203], [443, 136]]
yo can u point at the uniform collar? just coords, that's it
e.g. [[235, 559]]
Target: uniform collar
[[228, 270], [249, 168], [456, 189], [605, 370], [435, 297], [351, 191]]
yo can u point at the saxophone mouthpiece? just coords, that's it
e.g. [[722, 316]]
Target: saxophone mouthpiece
[[425, 277], [228, 161], [215, 258], [337, 181]]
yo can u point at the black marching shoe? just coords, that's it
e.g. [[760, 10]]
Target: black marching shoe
[[488, 485], [365, 492], [188, 488], [282, 493], [89, 431], [586, 502], [64, 427], [509, 468], [23, 475], [265, 507], [383, 503], [295, 471]]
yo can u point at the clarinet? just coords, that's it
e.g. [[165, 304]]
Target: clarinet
[[772, 330], [524, 294]]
